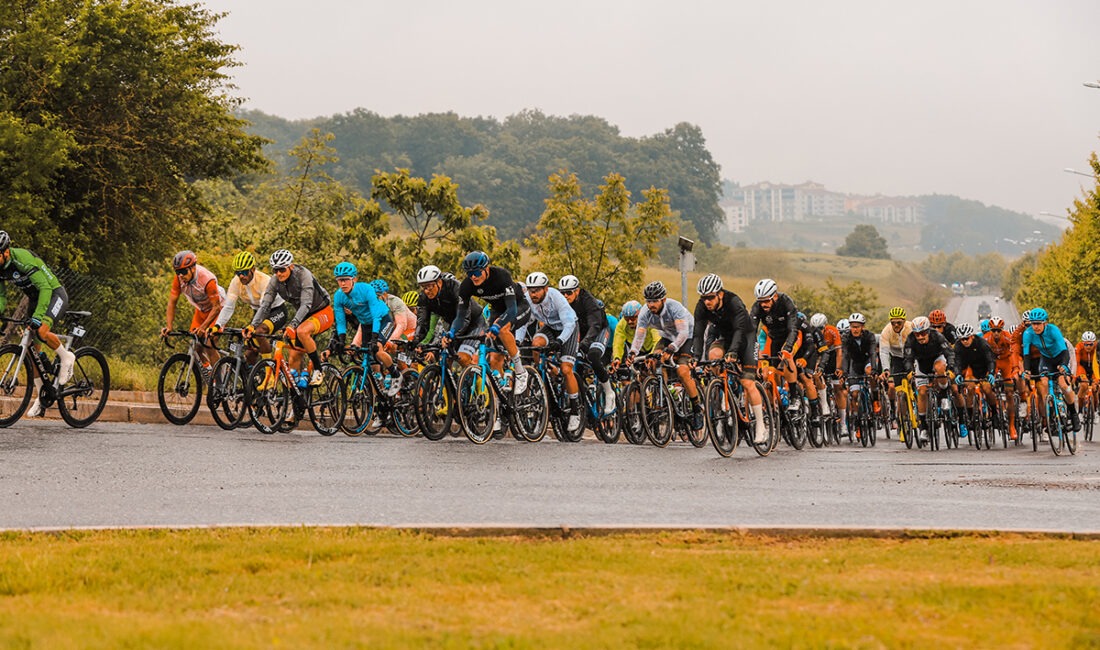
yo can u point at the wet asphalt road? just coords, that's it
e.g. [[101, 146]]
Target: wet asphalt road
[[139, 475]]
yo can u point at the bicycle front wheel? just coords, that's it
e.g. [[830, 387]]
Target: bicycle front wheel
[[82, 399], [269, 397], [326, 401], [477, 405], [721, 423], [531, 410], [656, 412], [630, 409], [360, 402], [179, 389], [226, 397], [434, 402], [16, 384]]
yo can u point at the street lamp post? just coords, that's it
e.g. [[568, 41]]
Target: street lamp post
[[687, 263], [1092, 84], [1070, 170]]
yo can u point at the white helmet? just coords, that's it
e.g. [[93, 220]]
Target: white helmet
[[537, 280], [429, 273], [921, 324], [1089, 337], [765, 289], [569, 282], [857, 318], [842, 325], [710, 283], [281, 259], [964, 330], [819, 320]]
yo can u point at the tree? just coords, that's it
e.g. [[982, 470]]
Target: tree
[[836, 300], [606, 242], [864, 241]]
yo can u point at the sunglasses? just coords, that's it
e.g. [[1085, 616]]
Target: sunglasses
[[182, 271], [707, 297], [897, 322], [568, 292], [242, 274]]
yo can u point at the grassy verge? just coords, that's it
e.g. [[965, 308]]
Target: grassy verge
[[381, 588]]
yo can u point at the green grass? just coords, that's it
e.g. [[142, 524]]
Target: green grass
[[349, 587], [132, 375]]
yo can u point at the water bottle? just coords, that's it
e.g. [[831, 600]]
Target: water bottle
[[784, 397], [46, 362], [945, 404], [303, 379], [508, 379]]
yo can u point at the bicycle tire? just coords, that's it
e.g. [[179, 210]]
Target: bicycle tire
[[226, 396], [434, 404], [771, 424], [81, 401], [722, 425], [183, 381], [656, 412], [630, 407], [403, 414], [477, 405], [359, 401], [325, 401], [268, 399], [531, 410], [16, 384], [905, 422]]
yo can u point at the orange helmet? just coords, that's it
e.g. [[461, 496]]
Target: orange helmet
[[937, 317]]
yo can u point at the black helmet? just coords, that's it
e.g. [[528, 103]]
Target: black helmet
[[655, 291], [474, 262]]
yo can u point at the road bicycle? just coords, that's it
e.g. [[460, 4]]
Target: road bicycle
[[182, 378], [606, 427], [434, 395], [628, 388], [485, 395], [1060, 434], [227, 397], [666, 406], [861, 414], [905, 409], [729, 418], [548, 368], [372, 404], [941, 414], [279, 396], [80, 400]]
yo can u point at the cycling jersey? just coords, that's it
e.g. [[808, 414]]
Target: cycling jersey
[[555, 312], [924, 355], [363, 302], [499, 291], [404, 321], [831, 348], [31, 275], [893, 343], [781, 320], [252, 294], [948, 332], [811, 340], [673, 323], [860, 352], [300, 288], [1050, 343], [445, 305], [203, 291], [624, 334], [978, 358], [591, 317], [1001, 346], [1087, 365], [730, 323]]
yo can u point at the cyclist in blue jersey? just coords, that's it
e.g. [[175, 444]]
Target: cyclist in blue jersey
[[375, 321], [1054, 356]]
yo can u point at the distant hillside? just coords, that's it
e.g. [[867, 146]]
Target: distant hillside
[[955, 224]]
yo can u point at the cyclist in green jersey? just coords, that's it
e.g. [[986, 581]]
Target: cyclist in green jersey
[[26, 271]]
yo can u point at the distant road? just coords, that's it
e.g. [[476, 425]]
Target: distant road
[[964, 309]]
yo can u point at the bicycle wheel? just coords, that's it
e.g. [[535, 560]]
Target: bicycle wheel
[[1036, 420], [531, 410], [721, 422], [179, 389], [16, 384], [656, 412], [797, 418], [325, 401], [477, 405], [268, 397], [226, 398], [630, 408], [432, 402], [1088, 413], [771, 424], [905, 422], [697, 438], [403, 413], [81, 401], [359, 401]]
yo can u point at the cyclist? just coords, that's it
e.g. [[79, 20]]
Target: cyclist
[[676, 326], [1053, 357], [974, 360], [404, 320], [48, 298], [412, 301], [507, 318], [375, 321], [439, 301], [723, 324], [892, 348], [1006, 363], [249, 284], [806, 362], [295, 284], [938, 319], [1088, 370], [777, 313], [201, 289], [832, 358], [557, 334], [624, 334], [593, 331], [861, 356], [928, 352]]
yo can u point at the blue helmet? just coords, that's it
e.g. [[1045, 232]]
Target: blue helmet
[[630, 309], [474, 262], [984, 324], [1038, 315], [380, 286], [345, 270]]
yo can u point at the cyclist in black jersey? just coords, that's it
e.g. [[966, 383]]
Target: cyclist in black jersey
[[861, 357], [938, 319], [928, 352], [508, 309], [439, 296], [974, 356], [594, 333], [779, 316]]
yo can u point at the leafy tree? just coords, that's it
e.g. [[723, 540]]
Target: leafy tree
[[952, 223], [987, 269], [1016, 275], [864, 241], [836, 300], [606, 242]]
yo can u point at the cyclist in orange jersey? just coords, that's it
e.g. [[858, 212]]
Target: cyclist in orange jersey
[[1006, 361], [1088, 368]]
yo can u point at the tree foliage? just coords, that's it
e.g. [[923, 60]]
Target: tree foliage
[[1063, 280], [987, 269], [606, 242], [864, 241], [837, 300], [953, 223]]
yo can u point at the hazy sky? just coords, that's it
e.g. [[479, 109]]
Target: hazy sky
[[983, 99]]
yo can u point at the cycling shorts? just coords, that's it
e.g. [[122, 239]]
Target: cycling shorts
[[545, 334], [55, 308], [199, 318], [680, 356], [1050, 365], [772, 347], [1009, 368], [322, 319]]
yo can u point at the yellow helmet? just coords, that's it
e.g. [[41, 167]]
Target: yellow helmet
[[897, 312], [243, 261], [411, 298]]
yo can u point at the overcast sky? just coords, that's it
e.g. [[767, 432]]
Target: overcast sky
[[983, 99]]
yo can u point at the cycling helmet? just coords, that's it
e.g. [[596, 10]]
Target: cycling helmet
[[429, 273], [843, 325], [568, 283], [996, 323], [184, 260], [345, 270], [1026, 317], [710, 283], [1088, 337], [5, 241], [897, 312], [1012, 330], [380, 286], [937, 317], [281, 259], [983, 325], [630, 309], [1038, 315], [857, 318], [411, 298], [819, 320], [243, 261], [447, 275], [964, 330], [765, 289], [474, 262], [921, 324], [537, 280], [654, 291]]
